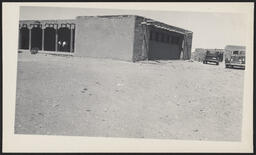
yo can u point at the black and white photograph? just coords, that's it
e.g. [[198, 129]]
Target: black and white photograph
[[130, 73]]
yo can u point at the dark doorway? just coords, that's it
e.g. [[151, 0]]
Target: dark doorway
[[49, 39], [36, 38], [64, 39], [164, 45], [24, 38]]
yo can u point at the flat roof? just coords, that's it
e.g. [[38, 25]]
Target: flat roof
[[147, 21]]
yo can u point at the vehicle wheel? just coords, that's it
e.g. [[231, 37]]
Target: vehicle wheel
[[231, 66], [217, 63], [226, 66]]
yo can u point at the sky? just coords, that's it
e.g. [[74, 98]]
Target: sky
[[210, 30]]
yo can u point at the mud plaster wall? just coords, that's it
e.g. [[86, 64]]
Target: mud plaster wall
[[187, 46], [141, 40], [108, 37]]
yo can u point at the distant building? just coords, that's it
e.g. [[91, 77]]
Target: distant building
[[124, 37]]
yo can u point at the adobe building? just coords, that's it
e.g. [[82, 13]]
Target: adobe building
[[123, 37]]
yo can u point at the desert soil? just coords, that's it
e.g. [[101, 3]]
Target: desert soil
[[176, 99]]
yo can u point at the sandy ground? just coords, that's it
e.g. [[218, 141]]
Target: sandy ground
[[76, 96]]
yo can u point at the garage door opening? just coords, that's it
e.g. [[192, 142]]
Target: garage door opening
[[36, 38], [64, 39], [49, 39], [164, 45], [24, 38]]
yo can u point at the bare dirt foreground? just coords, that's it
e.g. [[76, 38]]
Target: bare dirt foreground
[[75, 96]]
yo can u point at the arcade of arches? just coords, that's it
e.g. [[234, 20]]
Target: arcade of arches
[[48, 38]]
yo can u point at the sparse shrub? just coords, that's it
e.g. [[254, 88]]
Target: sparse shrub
[[34, 50]]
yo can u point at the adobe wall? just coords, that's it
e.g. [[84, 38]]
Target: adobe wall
[[187, 46], [141, 40], [105, 37]]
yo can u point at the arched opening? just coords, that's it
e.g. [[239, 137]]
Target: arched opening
[[49, 39], [64, 39], [24, 38], [36, 38]]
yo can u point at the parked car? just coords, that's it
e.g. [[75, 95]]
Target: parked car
[[213, 57], [237, 59]]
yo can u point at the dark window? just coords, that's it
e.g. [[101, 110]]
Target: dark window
[[167, 38], [170, 39], [162, 37], [235, 52], [242, 52], [156, 36], [151, 35], [175, 40]]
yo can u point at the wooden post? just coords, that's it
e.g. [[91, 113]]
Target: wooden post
[[182, 48], [185, 47], [42, 39], [19, 46], [71, 40], [29, 38], [56, 40], [147, 40]]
